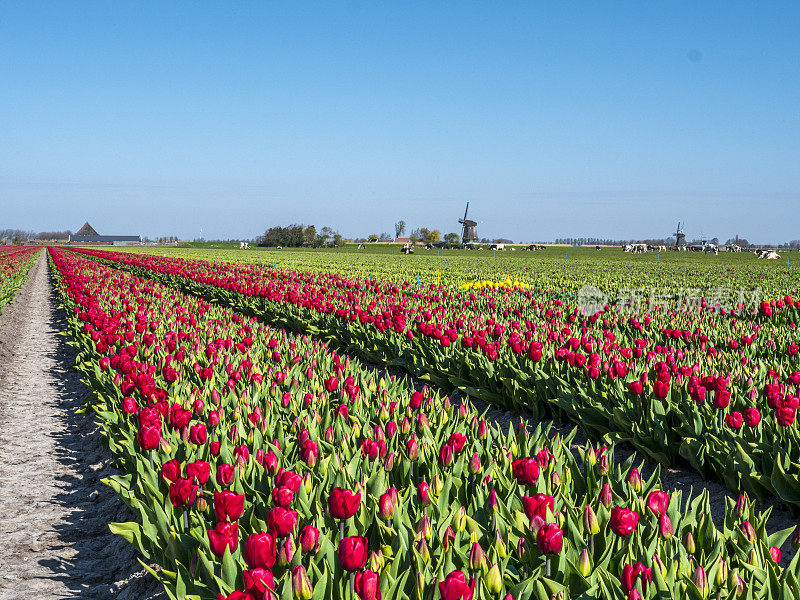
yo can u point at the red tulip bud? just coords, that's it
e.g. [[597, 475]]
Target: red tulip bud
[[301, 585], [605, 495], [665, 526], [477, 557], [475, 464], [590, 522], [700, 580]]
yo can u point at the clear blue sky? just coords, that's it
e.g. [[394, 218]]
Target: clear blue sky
[[560, 119]]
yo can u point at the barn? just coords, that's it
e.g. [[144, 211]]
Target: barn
[[88, 235]]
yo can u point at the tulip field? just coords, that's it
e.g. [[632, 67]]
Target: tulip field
[[715, 388], [15, 262], [262, 460]]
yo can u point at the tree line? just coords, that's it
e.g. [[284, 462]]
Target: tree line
[[19, 235], [296, 235]]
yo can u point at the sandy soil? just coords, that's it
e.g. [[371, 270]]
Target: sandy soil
[[54, 511]]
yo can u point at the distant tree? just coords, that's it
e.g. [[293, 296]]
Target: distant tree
[[337, 239], [416, 237], [272, 237], [399, 228], [373, 237], [290, 236], [738, 241], [434, 236], [385, 237], [310, 235], [503, 241], [451, 238], [294, 235], [326, 235], [715, 241]]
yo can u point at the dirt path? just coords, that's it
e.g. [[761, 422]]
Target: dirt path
[[54, 510]]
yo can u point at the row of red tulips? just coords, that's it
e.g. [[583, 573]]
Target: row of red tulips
[[718, 390], [265, 465], [15, 262]]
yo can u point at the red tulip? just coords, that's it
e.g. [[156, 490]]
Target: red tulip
[[281, 521], [225, 474], [224, 535], [352, 552], [368, 585], [182, 493], [198, 434], [525, 471], [309, 539], [658, 502], [631, 573], [387, 503], [282, 496], [605, 497], [455, 587], [199, 471], [289, 479], [722, 398], [228, 505], [343, 503], [549, 539], [734, 420], [257, 582], [446, 455], [259, 551], [635, 387], [661, 389], [424, 494], [752, 417], [537, 505], [623, 521], [149, 437], [171, 470]]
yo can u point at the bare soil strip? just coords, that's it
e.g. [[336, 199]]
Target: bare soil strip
[[54, 510]]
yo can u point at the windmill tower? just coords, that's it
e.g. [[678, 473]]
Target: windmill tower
[[680, 237], [469, 230]]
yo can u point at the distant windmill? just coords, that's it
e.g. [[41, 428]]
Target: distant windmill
[[469, 231], [680, 237]]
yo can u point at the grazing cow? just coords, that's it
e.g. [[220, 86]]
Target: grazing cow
[[636, 248], [597, 247], [767, 254], [244, 246], [361, 246]]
